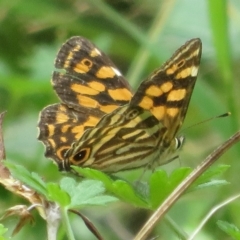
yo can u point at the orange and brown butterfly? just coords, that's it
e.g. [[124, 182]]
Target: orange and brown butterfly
[[101, 124]]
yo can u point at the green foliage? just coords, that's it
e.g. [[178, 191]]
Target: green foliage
[[3, 230], [206, 179], [160, 185], [68, 194], [31, 179], [56, 194], [88, 192], [119, 188], [230, 229], [138, 36]]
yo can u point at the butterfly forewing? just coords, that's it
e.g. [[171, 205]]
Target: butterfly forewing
[[167, 92], [89, 86], [90, 80]]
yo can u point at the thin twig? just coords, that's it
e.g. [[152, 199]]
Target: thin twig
[[215, 209], [175, 227], [4, 172], [2, 148], [159, 213]]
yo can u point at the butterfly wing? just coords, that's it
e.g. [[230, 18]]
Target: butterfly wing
[[90, 79], [167, 92], [135, 134], [89, 86]]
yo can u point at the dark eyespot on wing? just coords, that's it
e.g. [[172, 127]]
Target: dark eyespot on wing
[[60, 126]]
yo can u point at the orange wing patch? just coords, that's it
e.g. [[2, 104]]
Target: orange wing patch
[[123, 130], [83, 88]]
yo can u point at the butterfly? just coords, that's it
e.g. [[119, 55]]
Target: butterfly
[[100, 123]]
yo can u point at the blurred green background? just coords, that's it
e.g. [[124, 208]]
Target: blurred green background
[[138, 36]]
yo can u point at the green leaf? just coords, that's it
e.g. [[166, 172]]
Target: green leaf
[[68, 184], [87, 192], [161, 185], [97, 200], [38, 179], [127, 193], [178, 175], [90, 192], [206, 179], [212, 183], [95, 174], [55, 193], [30, 179], [230, 229], [2, 229], [120, 188]]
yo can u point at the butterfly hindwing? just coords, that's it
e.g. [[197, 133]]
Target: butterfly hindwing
[[60, 126]]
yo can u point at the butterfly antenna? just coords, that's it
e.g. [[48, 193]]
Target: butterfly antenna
[[209, 119]]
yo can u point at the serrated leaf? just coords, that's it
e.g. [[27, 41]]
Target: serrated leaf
[[88, 192], [102, 200], [55, 193], [30, 179], [207, 177], [39, 180], [230, 229], [96, 175], [178, 175], [85, 191], [68, 185], [121, 189], [126, 192], [97, 200], [161, 185], [211, 173], [213, 183]]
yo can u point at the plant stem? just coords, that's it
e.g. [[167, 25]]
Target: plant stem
[[53, 218], [174, 227], [172, 198], [66, 223]]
